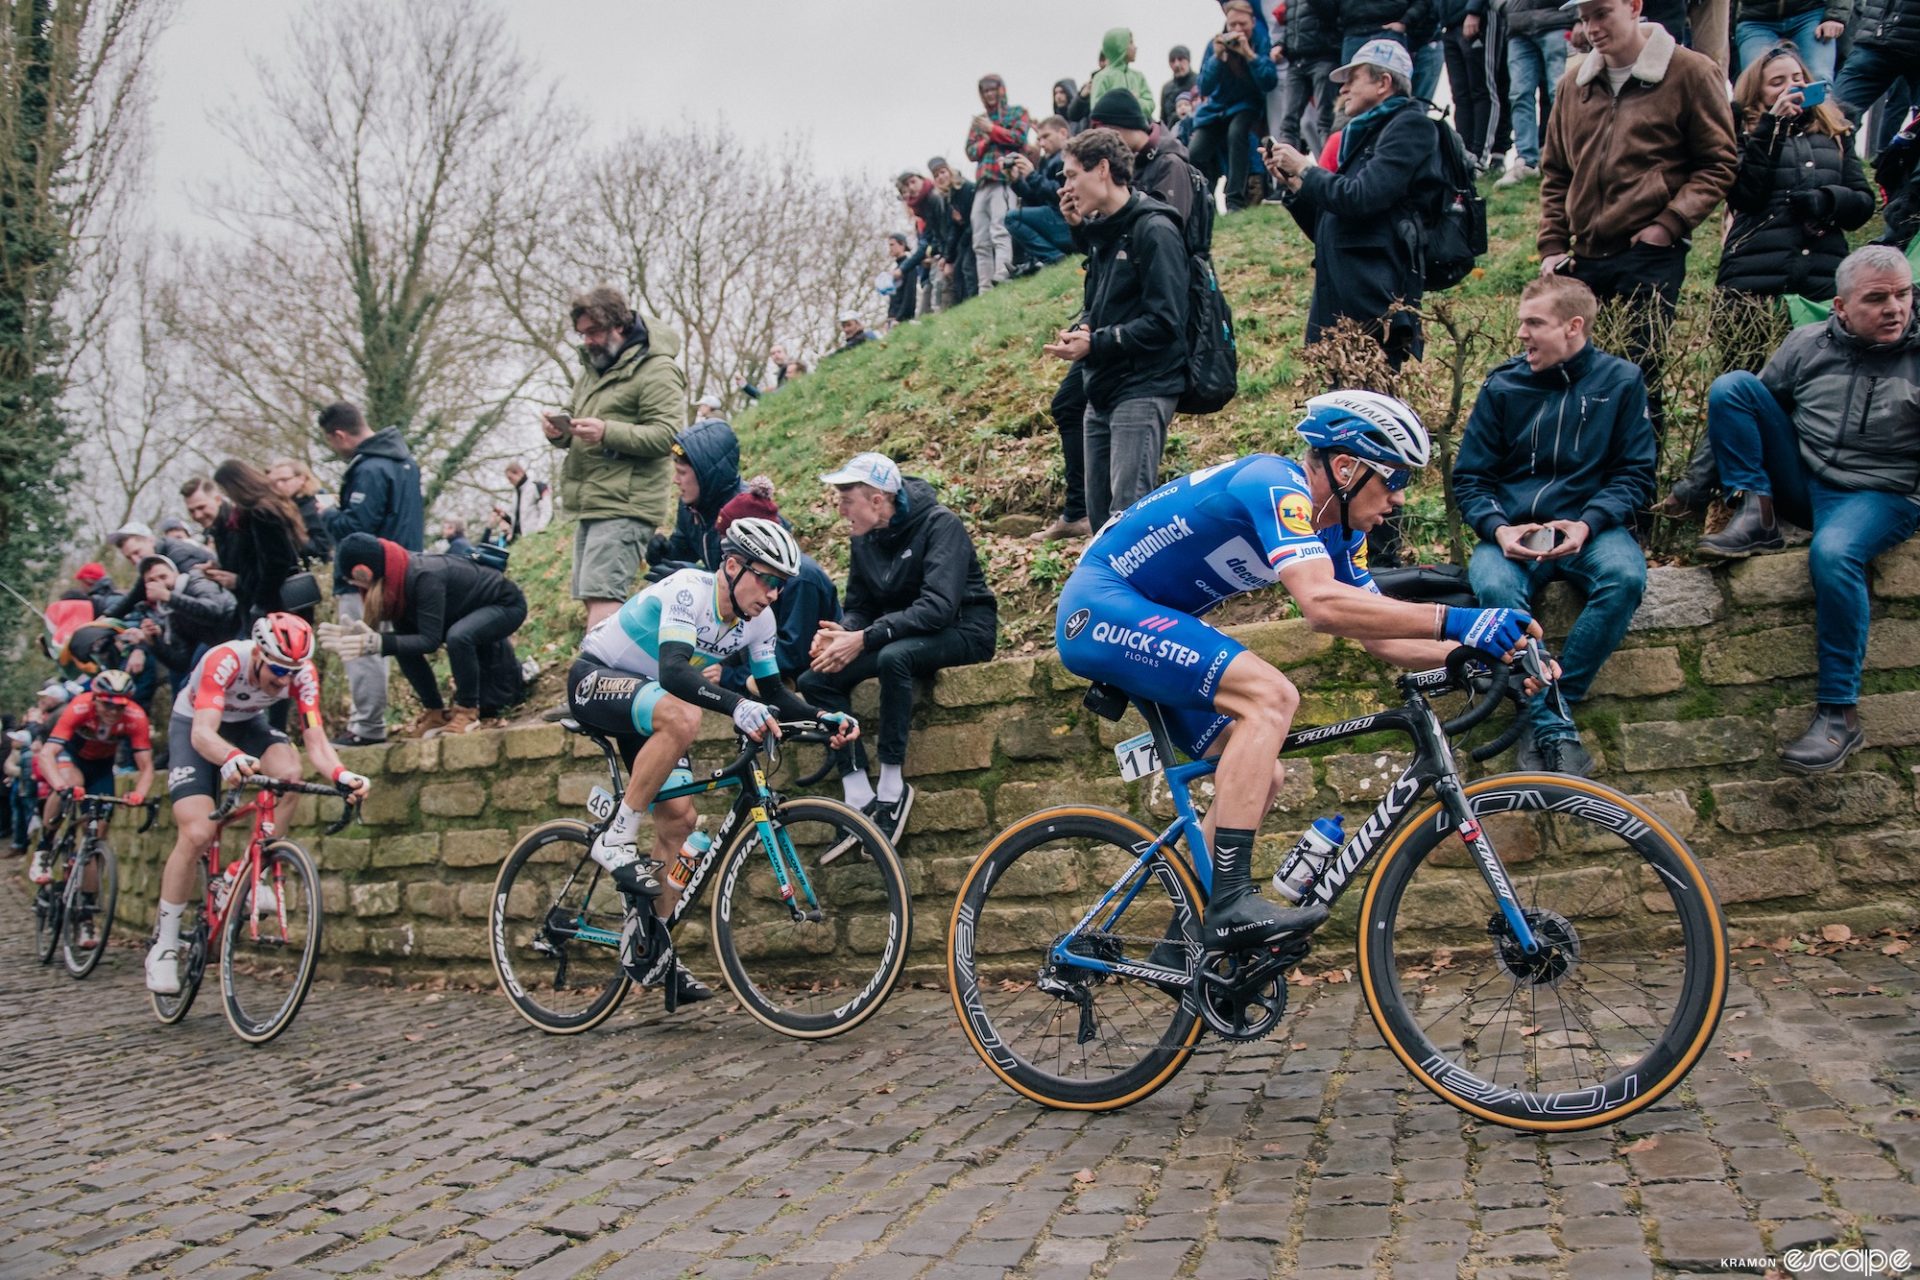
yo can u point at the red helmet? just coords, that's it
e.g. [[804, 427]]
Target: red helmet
[[284, 639]]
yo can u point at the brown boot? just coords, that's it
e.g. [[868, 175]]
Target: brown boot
[[1752, 529], [1062, 530], [459, 720], [424, 724]]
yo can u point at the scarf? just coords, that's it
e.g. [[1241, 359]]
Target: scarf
[[387, 561], [1361, 128]]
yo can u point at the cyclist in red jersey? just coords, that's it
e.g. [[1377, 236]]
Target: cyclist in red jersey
[[220, 735], [78, 754]]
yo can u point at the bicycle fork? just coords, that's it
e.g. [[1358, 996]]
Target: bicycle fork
[[1453, 800]]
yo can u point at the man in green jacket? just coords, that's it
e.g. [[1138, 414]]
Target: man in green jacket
[[618, 432]]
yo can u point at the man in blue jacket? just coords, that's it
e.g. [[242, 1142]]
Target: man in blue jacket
[[1557, 457], [380, 495]]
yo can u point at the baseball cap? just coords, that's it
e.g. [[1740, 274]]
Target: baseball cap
[[876, 469], [147, 562], [709, 401], [1388, 55], [849, 315], [57, 691], [92, 571], [131, 529]]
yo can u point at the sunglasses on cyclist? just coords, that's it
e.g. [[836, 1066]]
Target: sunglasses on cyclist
[[771, 581], [285, 673], [1394, 478]]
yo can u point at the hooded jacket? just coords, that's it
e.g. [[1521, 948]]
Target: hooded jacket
[[642, 397], [713, 451], [1795, 198], [1568, 443], [441, 590], [1135, 304], [1006, 132], [1365, 220], [1855, 405], [1075, 112], [380, 495], [1662, 151], [1121, 74], [919, 574]]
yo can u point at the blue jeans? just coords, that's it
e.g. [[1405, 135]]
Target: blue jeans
[[1759, 452], [1531, 62], [1751, 40], [1610, 570], [1041, 233], [1428, 61], [1868, 74]]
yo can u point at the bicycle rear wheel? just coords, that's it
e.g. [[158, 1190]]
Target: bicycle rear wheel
[[553, 930], [804, 976], [270, 943], [1613, 1010], [193, 967], [89, 910], [1067, 1035]]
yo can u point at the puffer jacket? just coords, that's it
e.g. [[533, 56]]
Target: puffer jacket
[[1370, 17], [1537, 17], [1855, 405], [1796, 196], [1308, 36], [1568, 443], [918, 574], [1889, 25], [641, 397]]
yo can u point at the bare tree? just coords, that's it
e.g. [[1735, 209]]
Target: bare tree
[[737, 248], [352, 266]]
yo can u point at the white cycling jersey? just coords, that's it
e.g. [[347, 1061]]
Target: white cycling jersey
[[221, 680], [682, 607]]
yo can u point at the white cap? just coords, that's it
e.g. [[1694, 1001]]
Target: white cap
[[131, 529], [709, 401], [1387, 55], [57, 691], [875, 469], [850, 315]]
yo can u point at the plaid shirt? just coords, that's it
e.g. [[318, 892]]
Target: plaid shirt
[[991, 146]]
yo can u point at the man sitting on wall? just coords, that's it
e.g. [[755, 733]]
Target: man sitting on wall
[[1828, 436], [1558, 455]]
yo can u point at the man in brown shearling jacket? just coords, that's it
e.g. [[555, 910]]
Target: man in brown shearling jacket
[[1639, 150]]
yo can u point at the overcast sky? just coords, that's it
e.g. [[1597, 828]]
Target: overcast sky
[[878, 85]]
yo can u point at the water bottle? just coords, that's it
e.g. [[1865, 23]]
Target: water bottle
[[692, 850], [223, 887], [1309, 857]]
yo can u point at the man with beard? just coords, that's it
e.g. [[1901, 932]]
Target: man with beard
[[618, 435]]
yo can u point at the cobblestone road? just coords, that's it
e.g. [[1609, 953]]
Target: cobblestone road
[[419, 1134]]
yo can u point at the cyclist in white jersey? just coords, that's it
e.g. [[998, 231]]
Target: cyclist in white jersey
[[646, 673]]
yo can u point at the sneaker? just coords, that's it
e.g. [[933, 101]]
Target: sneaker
[[891, 815], [163, 970], [1825, 745], [530, 671], [554, 715], [41, 872], [351, 739], [1517, 172]]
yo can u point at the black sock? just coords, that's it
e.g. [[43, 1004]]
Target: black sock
[[1232, 865]]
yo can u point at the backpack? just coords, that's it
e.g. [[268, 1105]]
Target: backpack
[[1456, 228], [1213, 361]]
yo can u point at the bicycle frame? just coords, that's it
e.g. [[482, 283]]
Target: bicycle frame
[[261, 810], [1432, 767]]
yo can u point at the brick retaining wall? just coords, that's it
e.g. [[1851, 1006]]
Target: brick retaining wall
[[1715, 675]]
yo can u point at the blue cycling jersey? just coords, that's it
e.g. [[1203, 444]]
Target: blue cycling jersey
[[1129, 614], [1221, 532]]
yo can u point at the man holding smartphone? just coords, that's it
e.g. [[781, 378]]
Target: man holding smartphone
[[617, 434], [1557, 457]]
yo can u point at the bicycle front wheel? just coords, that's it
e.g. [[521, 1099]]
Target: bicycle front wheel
[[1071, 880], [270, 943], [89, 912], [1617, 1003], [553, 930], [50, 904], [818, 957]]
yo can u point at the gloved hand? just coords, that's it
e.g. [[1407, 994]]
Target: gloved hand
[[847, 728], [752, 718], [237, 766], [344, 777], [1813, 204], [348, 640], [656, 549], [1494, 630]]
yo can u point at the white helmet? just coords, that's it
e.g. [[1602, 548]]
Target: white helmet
[[765, 542]]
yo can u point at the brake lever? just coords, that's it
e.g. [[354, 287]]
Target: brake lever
[[349, 813], [153, 815]]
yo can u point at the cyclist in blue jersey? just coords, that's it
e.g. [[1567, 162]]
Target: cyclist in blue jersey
[[1130, 615], [646, 672]]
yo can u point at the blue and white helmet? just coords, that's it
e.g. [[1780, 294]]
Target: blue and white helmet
[[1368, 425]]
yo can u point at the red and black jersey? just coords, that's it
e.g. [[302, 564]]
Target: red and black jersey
[[81, 734]]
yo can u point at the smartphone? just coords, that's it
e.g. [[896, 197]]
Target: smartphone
[[1269, 143], [1541, 540], [561, 421], [1814, 94]]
